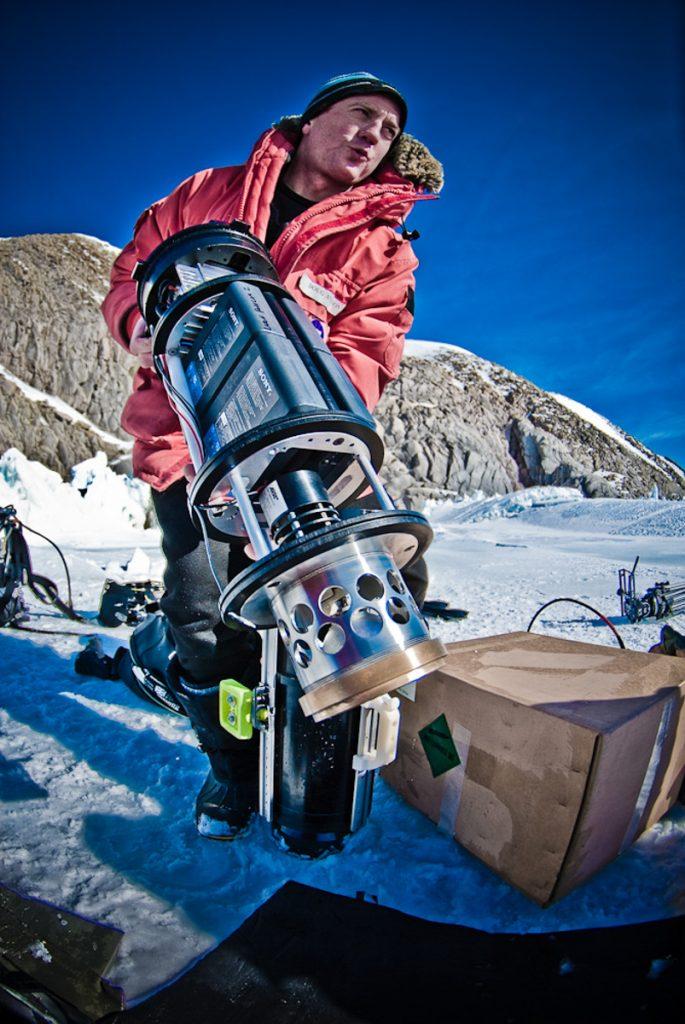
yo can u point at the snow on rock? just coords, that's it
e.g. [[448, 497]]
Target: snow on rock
[[603, 424], [109, 251], [456, 424], [53, 338], [95, 503], [103, 489], [565, 508], [431, 349], [643, 517], [64, 410], [135, 570]]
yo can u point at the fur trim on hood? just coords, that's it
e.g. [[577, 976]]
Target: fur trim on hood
[[408, 156]]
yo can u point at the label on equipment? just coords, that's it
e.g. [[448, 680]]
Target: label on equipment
[[262, 310], [272, 502], [193, 382], [250, 403], [212, 444], [438, 745], [216, 345]]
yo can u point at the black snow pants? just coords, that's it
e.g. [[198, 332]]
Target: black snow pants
[[207, 650]]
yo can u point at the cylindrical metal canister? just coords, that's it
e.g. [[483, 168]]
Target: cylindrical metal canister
[[314, 783]]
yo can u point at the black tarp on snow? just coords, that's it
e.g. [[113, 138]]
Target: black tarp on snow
[[309, 956]]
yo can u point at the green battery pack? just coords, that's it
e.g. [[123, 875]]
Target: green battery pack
[[235, 708]]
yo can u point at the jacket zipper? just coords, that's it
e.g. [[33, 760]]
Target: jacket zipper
[[253, 161], [296, 224]]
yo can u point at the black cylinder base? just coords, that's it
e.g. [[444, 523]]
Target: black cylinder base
[[313, 776]]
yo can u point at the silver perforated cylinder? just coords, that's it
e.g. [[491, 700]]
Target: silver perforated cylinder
[[352, 629]]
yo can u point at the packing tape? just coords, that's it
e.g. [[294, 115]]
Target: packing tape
[[454, 781], [650, 774]]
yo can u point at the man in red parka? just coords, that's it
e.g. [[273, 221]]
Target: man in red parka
[[328, 193]]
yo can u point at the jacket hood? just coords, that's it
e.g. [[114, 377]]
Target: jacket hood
[[408, 157]]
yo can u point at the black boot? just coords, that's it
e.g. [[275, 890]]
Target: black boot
[[229, 795]]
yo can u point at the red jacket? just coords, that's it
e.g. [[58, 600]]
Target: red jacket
[[341, 259]]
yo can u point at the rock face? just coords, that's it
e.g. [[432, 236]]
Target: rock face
[[454, 424], [53, 337], [50, 436]]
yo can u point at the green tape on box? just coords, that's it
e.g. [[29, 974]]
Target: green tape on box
[[436, 740]]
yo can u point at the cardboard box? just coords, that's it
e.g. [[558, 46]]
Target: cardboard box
[[544, 757]]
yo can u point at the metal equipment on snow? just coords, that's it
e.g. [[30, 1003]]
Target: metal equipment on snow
[[657, 602], [16, 569], [282, 445], [128, 603]]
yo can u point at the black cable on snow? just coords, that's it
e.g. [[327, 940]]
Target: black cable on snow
[[574, 600], [70, 601]]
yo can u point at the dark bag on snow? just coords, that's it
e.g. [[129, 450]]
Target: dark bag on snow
[[128, 603]]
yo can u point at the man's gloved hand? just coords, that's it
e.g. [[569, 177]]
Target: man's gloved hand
[[140, 344]]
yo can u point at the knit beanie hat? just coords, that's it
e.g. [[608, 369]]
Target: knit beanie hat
[[354, 84]]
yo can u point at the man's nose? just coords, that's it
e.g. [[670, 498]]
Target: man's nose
[[372, 131]]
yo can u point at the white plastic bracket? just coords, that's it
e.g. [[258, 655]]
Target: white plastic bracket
[[379, 730]]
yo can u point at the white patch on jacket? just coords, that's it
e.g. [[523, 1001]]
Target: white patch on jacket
[[320, 294]]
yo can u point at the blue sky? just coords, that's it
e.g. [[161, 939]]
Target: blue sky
[[558, 246]]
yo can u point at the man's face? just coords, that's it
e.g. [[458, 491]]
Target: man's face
[[347, 142]]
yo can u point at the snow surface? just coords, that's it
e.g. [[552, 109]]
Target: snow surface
[[95, 501], [98, 787]]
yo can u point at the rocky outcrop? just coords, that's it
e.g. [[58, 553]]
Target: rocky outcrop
[[53, 337], [50, 435], [455, 424]]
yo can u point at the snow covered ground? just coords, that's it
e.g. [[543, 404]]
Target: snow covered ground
[[98, 788]]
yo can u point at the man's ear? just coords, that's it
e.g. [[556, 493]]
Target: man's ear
[[306, 128]]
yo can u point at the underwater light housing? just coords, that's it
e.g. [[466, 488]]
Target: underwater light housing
[[282, 445], [281, 441]]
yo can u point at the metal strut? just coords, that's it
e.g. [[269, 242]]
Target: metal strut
[[266, 700]]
